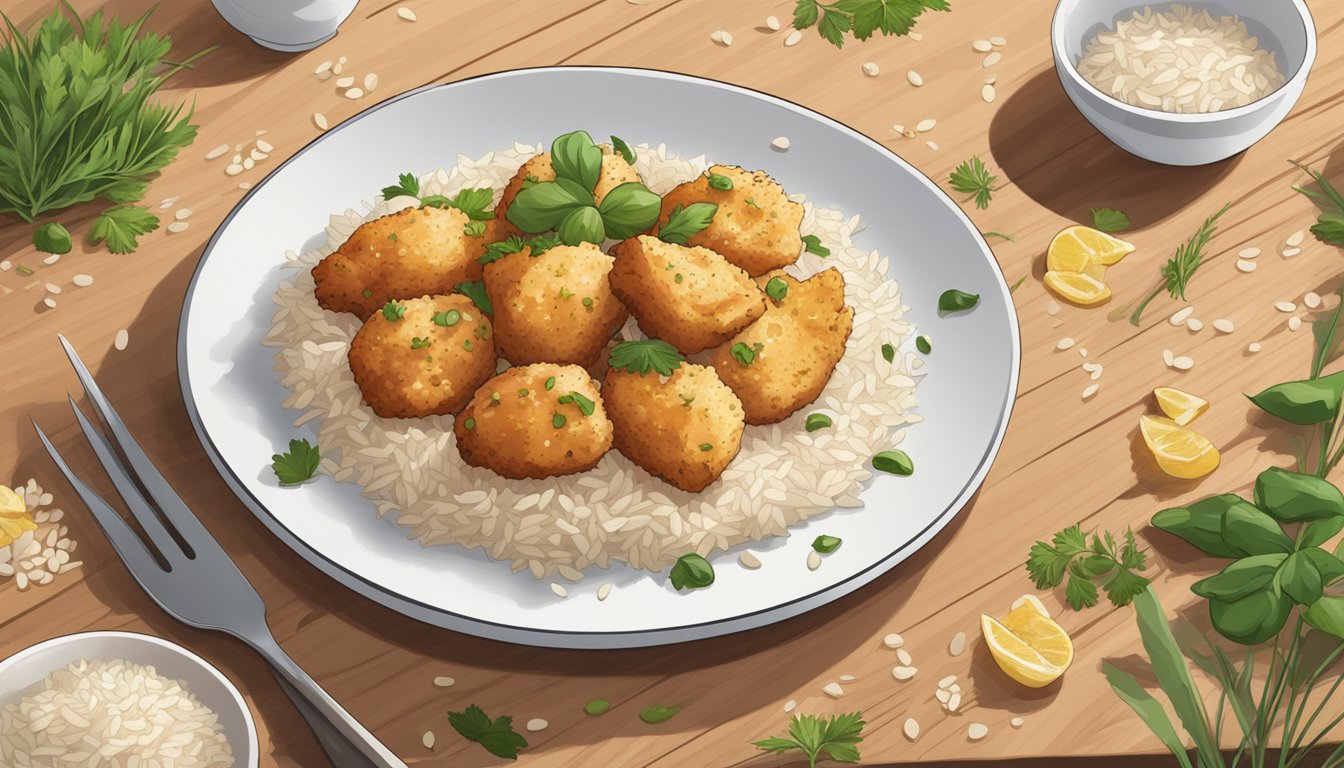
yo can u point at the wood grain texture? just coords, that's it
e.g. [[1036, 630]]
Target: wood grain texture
[[1064, 460]]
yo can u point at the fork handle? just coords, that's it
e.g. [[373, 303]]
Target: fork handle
[[359, 737]]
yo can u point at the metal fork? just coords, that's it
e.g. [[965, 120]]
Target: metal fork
[[197, 582]]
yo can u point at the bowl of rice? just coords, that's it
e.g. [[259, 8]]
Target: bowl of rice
[[1184, 83], [117, 700]]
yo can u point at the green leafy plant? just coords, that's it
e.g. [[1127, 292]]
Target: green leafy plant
[[1103, 561], [812, 244], [496, 735], [1109, 220], [645, 355], [52, 237], [475, 290], [78, 121], [685, 222], [297, 464], [862, 18], [973, 178], [1176, 273], [1329, 227], [838, 736], [691, 571]]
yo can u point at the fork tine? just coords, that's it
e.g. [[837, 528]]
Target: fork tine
[[140, 508], [189, 528], [132, 550]]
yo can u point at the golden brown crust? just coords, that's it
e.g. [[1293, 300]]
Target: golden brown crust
[[414, 367], [510, 427], [757, 236], [685, 428], [615, 172], [690, 297], [557, 307], [797, 345]]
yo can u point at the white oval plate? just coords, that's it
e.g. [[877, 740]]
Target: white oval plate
[[234, 398]]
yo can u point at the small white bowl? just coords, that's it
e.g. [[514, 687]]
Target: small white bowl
[[30, 666], [1283, 26], [286, 25]]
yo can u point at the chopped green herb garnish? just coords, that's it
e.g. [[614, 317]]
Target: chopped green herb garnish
[[753, 204], [366, 293], [888, 353], [691, 571], [677, 278], [744, 354], [895, 462], [684, 222], [777, 289], [435, 201], [419, 343], [924, 344], [586, 406], [121, 227], [863, 18], [812, 244], [655, 714], [706, 447], [392, 237], [816, 421], [644, 356], [469, 423], [497, 736], [496, 251], [558, 420], [299, 463], [812, 735], [394, 311], [1176, 273], [588, 303], [623, 149], [973, 178], [550, 383], [686, 400], [1116, 566], [494, 397], [1001, 236], [466, 344], [565, 293], [475, 290], [826, 544], [1018, 284], [1109, 220], [474, 228], [522, 393], [25, 271], [957, 301], [406, 184], [52, 238], [720, 182], [448, 318], [529, 181], [597, 707]]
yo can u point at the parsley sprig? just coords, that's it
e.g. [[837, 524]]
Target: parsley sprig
[[297, 464], [1176, 273], [1116, 566], [646, 355], [973, 178], [121, 227], [862, 17], [684, 222], [473, 201], [837, 736], [497, 735]]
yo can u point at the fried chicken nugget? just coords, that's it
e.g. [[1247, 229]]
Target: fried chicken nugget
[[690, 297], [535, 421], [685, 428], [422, 357], [556, 307], [414, 252], [785, 359], [615, 172], [756, 226]]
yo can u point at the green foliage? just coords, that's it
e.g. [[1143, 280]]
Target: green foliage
[[52, 238], [297, 464], [686, 221], [645, 355], [1178, 271], [1329, 227], [497, 735], [691, 571], [1101, 562], [1109, 220], [121, 227], [475, 290], [973, 178], [863, 18], [837, 736]]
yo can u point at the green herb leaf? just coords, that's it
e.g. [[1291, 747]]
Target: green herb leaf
[[299, 463], [419, 343], [474, 229], [475, 290], [496, 251], [888, 353], [1109, 220], [836, 736], [121, 227], [1299, 578], [826, 544], [550, 383], [1001, 236], [1310, 401], [475, 203], [541, 207], [394, 311], [777, 288], [574, 156], [973, 178], [644, 356], [655, 714], [743, 353], [582, 225], [436, 201], [1173, 675], [1253, 619], [1329, 228], [597, 706], [1177, 272], [1291, 497], [1201, 524], [497, 735], [1249, 531], [406, 184], [720, 182], [924, 344], [52, 238], [957, 301], [586, 407], [448, 318], [629, 209], [1241, 578], [558, 420], [1327, 615], [816, 421], [623, 149], [894, 462], [691, 571], [812, 244], [686, 222], [1148, 709], [1106, 559]]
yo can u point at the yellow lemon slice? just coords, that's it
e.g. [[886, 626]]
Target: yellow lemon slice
[[1076, 248], [1180, 452], [1182, 407], [1034, 602], [11, 503], [1078, 288], [1030, 648]]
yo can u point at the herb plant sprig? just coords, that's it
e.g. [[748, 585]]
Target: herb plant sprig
[[1178, 271], [838, 736], [973, 178], [862, 17], [1329, 227], [1104, 560]]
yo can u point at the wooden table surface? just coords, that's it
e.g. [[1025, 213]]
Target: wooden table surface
[[1064, 460]]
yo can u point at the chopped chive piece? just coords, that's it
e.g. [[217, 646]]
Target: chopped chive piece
[[522, 393], [888, 352], [777, 289], [469, 423], [466, 344], [957, 301], [752, 203], [394, 311], [826, 544], [586, 407], [550, 384], [816, 421], [558, 420], [721, 183], [677, 278], [895, 462], [706, 447], [588, 303], [597, 707], [1001, 235], [1018, 284], [419, 343], [565, 293], [22, 270], [447, 319], [744, 354], [812, 244], [924, 344], [655, 714]]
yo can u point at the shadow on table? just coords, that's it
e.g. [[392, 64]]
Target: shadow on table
[[1048, 150]]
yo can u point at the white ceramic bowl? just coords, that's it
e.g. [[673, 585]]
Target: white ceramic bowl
[[1282, 26], [286, 25], [21, 671]]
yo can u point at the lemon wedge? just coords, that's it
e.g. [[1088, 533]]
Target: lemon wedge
[[1076, 248], [1180, 452], [1028, 645], [1181, 407], [1077, 287], [11, 503]]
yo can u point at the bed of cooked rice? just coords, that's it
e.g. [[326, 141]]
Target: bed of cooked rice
[[617, 512]]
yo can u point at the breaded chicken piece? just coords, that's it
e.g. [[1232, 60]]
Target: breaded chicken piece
[[556, 307], [792, 351], [422, 357], [756, 226], [692, 298], [615, 172], [685, 428], [535, 421], [414, 252]]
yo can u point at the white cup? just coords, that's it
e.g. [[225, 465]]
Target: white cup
[[286, 25]]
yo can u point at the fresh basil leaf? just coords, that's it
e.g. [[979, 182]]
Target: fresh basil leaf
[[541, 207], [582, 225], [957, 301], [1317, 532], [574, 156], [629, 209], [691, 572], [1249, 531], [684, 222], [1310, 401], [1201, 524], [1240, 579], [1327, 615], [1291, 497], [1252, 619], [623, 149]]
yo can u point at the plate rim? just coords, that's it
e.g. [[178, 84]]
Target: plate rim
[[633, 638]]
